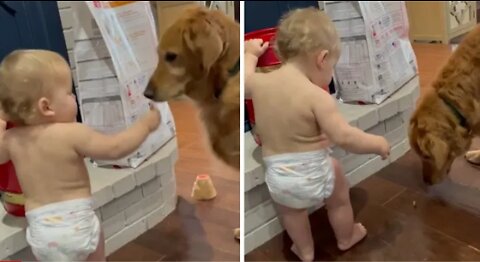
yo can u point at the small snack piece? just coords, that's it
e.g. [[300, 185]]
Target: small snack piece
[[236, 232], [203, 188]]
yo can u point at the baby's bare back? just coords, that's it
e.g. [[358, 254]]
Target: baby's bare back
[[47, 166], [284, 114]]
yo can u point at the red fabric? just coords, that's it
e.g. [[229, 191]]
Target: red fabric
[[251, 113], [9, 183]]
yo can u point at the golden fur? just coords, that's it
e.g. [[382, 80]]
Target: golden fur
[[435, 132], [195, 56]]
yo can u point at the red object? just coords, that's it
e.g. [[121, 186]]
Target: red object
[[251, 115], [203, 177], [12, 195], [269, 58]]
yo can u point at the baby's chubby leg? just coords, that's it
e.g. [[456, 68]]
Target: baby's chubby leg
[[297, 225], [99, 254], [340, 212]]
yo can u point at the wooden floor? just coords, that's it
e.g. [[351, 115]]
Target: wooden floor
[[397, 230], [200, 231]]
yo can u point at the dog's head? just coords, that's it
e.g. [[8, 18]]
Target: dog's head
[[187, 51], [438, 141]]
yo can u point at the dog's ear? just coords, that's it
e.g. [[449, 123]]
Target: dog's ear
[[203, 39], [436, 148]]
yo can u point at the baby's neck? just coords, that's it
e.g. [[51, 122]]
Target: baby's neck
[[299, 68], [40, 121]]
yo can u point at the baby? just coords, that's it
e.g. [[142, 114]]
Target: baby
[[294, 118], [47, 148]]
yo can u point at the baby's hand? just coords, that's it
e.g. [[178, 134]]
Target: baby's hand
[[255, 47], [383, 147], [152, 118]]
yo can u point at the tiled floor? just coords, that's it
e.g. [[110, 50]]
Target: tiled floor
[[405, 220], [196, 231]]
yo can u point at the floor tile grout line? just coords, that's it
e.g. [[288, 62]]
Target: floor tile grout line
[[453, 238], [393, 197]]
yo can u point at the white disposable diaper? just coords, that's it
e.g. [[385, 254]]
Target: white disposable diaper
[[300, 180], [63, 231]]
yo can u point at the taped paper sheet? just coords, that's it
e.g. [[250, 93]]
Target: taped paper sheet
[[377, 58], [115, 53]]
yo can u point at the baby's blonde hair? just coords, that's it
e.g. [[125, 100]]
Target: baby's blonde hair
[[26, 76], [305, 30]]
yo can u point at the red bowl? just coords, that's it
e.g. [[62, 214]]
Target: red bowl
[[14, 209], [269, 58]]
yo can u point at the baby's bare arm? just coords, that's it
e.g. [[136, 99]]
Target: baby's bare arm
[[250, 66], [4, 156], [337, 128], [90, 143], [253, 50]]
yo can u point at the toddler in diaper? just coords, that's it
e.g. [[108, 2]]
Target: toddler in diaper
[[296, 120], [47, 148]]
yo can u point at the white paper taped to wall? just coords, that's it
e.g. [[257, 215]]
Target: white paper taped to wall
[[115, 51], [377, 57]]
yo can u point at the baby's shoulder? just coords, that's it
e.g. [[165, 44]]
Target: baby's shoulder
[[67, 131]]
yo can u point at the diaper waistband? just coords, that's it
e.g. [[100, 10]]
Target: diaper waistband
[[62, 206], [297, 157]]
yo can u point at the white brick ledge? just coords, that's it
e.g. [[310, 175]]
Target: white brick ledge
[[128, 203], [389, 119]]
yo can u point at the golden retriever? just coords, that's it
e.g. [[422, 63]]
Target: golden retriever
[[448, 116], [199, 57]]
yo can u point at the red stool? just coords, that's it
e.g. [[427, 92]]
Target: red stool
[[12, 195]]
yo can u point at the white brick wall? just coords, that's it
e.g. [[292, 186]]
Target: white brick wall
[[66, 16], [389, 119], [256, 196], [393, 123], [123, 185], [121, 203], [145, 174], [338, 152], [378, 129], [124, 236], [151, 186], [113, 224]]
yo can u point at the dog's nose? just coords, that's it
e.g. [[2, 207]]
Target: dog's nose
[[149, 92]]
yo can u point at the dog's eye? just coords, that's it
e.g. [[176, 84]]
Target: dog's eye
[[170, 57]]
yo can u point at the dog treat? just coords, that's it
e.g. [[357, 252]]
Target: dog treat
[[203, 188], [236, 233]]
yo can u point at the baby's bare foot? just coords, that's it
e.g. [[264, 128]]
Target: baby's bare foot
[[297, 253], [359, 232]]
